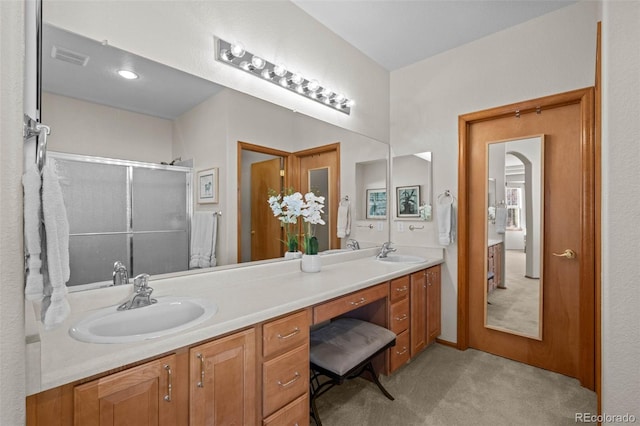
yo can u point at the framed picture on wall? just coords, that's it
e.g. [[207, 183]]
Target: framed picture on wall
[[208, 186], [408, 201], [376, 203]]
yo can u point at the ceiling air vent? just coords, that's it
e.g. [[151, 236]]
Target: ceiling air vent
[[70, 56]]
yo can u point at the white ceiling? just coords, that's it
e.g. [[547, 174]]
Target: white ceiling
[[397, 33]]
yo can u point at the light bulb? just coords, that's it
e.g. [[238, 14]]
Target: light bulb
[[300, 89], [129, 75], [279, 70], [350, 103], [313, 86], [226, 56], [258, 62], [246, 66], [297, 78], [237, 50], [267, 74], [326, 92], [339, 98], [284, 82]]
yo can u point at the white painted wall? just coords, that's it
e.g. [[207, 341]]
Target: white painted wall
[[181, 34], [621, 208], [12, 336], [81, 127], [551, 54]]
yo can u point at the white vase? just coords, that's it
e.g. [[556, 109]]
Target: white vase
[[311, 263], [292, 255]]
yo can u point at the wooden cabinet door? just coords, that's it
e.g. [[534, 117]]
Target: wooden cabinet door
[[433, 304], [223, 381], [418, 297], [138, 396]]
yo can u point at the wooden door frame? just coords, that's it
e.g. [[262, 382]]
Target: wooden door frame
[[589, 303], [334, 242], [287, 181]]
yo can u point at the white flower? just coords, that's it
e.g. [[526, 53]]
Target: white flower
[[312, 209]]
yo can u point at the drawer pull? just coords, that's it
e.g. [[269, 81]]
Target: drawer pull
[[200, 384], [286, 336], [401, 289], [402, 318], [359, 302], [404, 351], [167, 397], [296, 376]]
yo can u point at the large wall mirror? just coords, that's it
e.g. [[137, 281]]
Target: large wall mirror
[[515, 236], [168, 116]]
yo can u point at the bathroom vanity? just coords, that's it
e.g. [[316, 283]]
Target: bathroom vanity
[[249, 363]]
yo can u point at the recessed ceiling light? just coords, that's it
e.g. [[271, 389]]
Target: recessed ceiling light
[[129, 75]]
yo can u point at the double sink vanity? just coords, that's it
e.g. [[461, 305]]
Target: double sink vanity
[[223, 347]]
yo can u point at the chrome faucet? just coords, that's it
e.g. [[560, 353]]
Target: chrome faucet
[[385, 249], [141, 294], [120, 275], [353, 244]]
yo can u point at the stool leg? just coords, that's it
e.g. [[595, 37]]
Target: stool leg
[[369, 368]]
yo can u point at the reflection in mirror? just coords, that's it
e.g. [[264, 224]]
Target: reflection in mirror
[[371, 187], [412, 183], [514, 237], [167, 115], [319, 185]]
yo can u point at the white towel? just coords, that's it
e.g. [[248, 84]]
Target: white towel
[[344, 219], [32, 182], [501, 219], [446, 220], [55, 305], [203, 236]]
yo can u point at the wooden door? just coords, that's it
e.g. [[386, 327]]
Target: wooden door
[[568, 334], [323, 158], [223, 380], [433, 304], [138, 396], [418, 312], [266, 232]]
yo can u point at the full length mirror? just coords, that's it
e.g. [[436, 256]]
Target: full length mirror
[[167, 116], [514, 236]]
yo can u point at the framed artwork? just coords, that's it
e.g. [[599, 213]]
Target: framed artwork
[[376, 203], [408, 201], [208, 186]]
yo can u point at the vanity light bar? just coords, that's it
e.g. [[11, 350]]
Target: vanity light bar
[[236, 56]]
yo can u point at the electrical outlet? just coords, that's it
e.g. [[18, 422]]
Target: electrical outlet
[[400, 226]]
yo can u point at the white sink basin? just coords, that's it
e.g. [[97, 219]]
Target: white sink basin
[[169, 315], [402, 258]]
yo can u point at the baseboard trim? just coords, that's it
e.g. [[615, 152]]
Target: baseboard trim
[[447, 343]]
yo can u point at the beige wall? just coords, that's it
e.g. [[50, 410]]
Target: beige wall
[[81, 127], [12, 346], [551, 54], [621, 208]]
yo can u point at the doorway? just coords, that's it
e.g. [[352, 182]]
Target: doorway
[[567, 339]]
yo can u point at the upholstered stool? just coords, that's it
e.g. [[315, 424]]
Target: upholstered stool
[[342, 350]]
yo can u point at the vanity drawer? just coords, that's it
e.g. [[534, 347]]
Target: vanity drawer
[[349, 302], [399, 316], [285, 333], [399, 289], [400, 353], [296, 413], [285, 378]]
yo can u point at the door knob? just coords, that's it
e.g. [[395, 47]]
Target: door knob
[[568, 253]]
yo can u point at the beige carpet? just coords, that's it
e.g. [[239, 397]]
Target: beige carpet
[[444, 386], [516, 307]]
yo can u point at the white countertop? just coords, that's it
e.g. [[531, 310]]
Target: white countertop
[[245, 296]]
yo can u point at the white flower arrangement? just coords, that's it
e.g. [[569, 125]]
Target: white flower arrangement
[[287, 208]]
